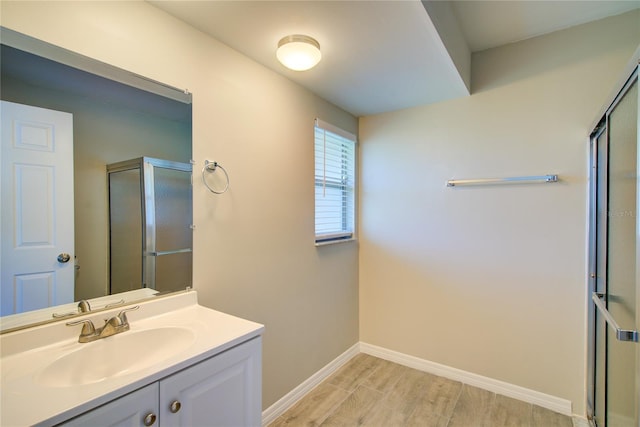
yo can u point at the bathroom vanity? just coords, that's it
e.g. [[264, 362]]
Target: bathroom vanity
[[178, 364]]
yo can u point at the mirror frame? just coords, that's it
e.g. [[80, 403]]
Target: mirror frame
[[67, 57]]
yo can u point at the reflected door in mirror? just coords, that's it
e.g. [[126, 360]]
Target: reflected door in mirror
[[37, 234]]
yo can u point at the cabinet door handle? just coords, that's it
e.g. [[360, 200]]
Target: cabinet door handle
[[150, 419], [175, 406]]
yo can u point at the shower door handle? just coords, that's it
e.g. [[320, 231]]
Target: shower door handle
[[177, 251], [621, 334]]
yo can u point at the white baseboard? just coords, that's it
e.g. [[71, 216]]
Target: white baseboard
[[289, 399], [553, 403]]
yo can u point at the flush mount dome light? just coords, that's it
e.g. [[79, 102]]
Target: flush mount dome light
[[298, 52]]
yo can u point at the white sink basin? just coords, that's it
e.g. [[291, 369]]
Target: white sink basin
[[114, 356]]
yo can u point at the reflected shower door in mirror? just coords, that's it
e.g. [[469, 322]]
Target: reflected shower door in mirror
[[116, 116], [149, 228]]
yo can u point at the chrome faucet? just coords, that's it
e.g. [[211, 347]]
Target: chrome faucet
[[112, 326], [83, 307]]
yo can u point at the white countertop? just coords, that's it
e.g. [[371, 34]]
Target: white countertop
[[25, 354]]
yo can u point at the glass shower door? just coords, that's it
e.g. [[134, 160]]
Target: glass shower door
[[616, 297], [125, 231], [150, 230], [173, 235]]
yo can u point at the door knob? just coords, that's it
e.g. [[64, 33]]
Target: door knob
[[64, 257]]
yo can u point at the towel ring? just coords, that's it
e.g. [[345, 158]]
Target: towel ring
[[211, 167]]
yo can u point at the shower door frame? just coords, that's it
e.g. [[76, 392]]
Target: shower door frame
[[597, 195], [146, 166], [600, 128], [150, 252]]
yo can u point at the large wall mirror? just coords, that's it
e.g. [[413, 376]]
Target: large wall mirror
[[95, 184]]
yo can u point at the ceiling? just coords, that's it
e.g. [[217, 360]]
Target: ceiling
[[381, 56]]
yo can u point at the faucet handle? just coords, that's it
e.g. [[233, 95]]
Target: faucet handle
[[87, 327], [123, 314], [84, 306], [115, 321]]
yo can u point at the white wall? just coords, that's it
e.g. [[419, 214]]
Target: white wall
[[490, 280], [254, 246]]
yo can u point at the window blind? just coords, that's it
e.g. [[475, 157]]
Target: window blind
[[335, 154]]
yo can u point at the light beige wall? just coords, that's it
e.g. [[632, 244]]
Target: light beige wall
[[490, 280], [254, 251]]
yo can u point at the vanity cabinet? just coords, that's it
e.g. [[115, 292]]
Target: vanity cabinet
[[224, 390]]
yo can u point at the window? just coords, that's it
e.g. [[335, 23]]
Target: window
[[335, 158]]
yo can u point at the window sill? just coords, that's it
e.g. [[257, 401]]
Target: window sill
[[334, 242]]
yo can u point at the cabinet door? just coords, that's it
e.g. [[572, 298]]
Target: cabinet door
[[222, 391], [135, 409]]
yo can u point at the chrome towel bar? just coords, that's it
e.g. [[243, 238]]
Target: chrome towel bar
[[510, 180]]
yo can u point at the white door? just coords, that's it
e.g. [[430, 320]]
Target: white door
[[36, 191]]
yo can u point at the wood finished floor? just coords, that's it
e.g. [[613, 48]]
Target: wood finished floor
[[368, 391]]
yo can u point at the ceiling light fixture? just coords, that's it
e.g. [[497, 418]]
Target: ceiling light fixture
[[298, 52]]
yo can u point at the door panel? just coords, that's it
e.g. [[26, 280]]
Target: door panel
[[172, 195], [36, 191], [218, 392], [125, 231], [616, 376], [621, 259], [131, 410]]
